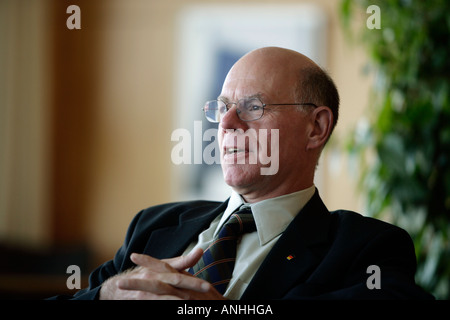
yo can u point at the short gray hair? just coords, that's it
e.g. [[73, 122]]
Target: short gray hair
[[316, 86]]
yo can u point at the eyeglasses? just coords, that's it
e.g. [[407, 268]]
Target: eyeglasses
[[248, 109]]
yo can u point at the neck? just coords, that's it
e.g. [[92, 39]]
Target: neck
[[268, 191]]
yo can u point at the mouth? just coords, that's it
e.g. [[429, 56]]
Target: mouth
[[237, 145], [237, 156], [233, 150]]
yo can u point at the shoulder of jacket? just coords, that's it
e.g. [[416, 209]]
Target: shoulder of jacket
[[168, 213], [360, 224], [182, 206]]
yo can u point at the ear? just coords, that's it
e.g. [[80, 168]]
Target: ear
[[322, 122]]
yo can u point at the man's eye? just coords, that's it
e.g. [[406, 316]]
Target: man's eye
[[253, 107]]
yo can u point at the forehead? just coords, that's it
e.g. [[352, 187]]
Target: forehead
[[270, 83], [226, 99], [236, 89]]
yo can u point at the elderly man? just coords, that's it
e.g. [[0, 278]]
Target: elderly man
[[273, 238]]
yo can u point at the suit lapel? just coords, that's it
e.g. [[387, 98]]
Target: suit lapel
[[171, 241], [303, 241]]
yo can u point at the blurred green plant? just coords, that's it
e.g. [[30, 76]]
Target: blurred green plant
[[404, 150]]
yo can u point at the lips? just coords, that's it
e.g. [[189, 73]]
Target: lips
[[233, 154], [233, 150], [239, 146], [233, 145]]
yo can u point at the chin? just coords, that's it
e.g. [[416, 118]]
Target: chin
[[240, 176]]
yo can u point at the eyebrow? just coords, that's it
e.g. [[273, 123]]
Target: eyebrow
[[256, 95]]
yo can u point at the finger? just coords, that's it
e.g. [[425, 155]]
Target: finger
[[151, 263], [185, 281], [146, 285], [167, 297], [143, 295], [184, 262], [151, 289]]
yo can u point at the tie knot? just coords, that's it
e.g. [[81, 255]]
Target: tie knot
[[239, 223]]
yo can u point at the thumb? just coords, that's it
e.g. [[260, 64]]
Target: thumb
[[183, 262]]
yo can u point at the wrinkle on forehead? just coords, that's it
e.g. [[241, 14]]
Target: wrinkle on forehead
[[239, 89], [258, 95]]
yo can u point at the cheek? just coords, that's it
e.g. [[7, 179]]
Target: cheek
[[293, 140], [220, 137]]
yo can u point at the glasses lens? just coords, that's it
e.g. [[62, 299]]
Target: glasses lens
[[250, 109], [212, 110]]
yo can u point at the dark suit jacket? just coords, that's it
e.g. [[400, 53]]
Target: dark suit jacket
[[332, 252]]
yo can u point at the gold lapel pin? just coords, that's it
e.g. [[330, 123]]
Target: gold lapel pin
[[290, 257]]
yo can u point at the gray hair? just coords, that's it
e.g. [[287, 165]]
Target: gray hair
[[316, 86]]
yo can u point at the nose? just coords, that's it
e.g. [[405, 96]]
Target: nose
[[230, 119]]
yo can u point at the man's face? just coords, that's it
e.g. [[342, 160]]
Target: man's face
[[282, 130]]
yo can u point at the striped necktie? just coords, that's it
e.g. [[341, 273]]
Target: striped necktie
[[217, 263]]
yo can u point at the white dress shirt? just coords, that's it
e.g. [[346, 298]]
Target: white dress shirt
[[272, 216]]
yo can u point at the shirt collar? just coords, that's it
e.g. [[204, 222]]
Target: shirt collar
[[272, 216]]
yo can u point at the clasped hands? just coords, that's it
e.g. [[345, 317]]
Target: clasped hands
[[154, 279]]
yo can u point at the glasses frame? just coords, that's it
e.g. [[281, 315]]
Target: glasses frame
[[264, 105]]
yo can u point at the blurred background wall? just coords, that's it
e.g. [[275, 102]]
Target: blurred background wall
[[86, 118]]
